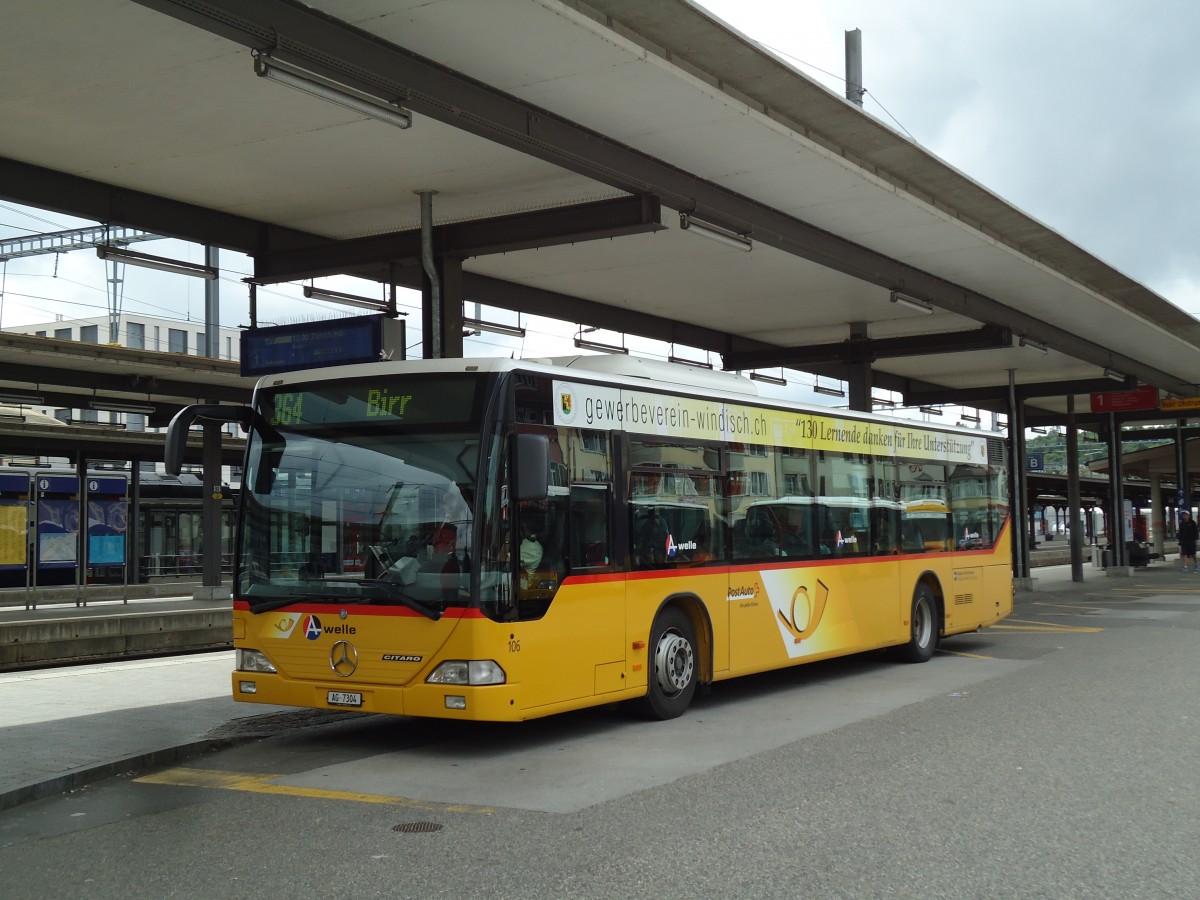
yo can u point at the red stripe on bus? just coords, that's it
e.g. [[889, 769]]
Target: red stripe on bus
[[319, 609]]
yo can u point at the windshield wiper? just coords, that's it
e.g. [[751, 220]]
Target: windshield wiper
[[394, 592], [268, 605], [390, 591]]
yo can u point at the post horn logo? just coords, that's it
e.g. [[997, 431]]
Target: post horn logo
[[805, 612], [343, 658]]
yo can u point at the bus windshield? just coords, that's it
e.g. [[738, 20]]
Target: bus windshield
[[362, 492]]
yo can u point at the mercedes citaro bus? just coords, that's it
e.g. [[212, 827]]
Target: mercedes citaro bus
[[503, 539]]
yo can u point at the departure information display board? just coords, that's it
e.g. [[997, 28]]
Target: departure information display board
[[313, 345]]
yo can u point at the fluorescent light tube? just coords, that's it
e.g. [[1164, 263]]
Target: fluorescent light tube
[[1033, 345], [584, 344], [713, 233], [345, 97], [162, 264], [121, 407], [689, 362], [769, 379], [20, 398], [316, 293], [828, 391], [912, 303], [494, 327]]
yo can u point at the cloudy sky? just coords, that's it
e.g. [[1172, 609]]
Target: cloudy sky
[[1085, 115]]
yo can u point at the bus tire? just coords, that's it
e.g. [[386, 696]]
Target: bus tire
[[923, 627], [672, 664]]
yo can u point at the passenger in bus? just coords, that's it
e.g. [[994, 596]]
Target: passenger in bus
[[531, 552], [702, 538], [839, 536], [593, 540], [650, 538], [796, 540], [762, 537]]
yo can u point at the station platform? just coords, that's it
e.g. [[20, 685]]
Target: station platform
[[66, 727], [59, 633]]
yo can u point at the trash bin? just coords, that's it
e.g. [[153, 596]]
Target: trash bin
[[1106, 559]]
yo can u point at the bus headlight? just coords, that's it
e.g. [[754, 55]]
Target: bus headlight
[[252, 661], [464, 671]]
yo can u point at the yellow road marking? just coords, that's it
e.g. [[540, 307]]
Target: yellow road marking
[[1074, 606], [960, 653], [261, 784], [1045, 627]]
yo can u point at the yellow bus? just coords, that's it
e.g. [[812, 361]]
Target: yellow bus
[[502, 540]]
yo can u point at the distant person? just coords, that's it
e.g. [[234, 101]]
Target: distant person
[[1187, 535]]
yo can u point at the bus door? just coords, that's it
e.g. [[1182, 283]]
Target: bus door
[[591, 566], [569, 597], [15, 534]]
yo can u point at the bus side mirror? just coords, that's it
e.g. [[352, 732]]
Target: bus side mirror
[[532, 467], [177, 431]]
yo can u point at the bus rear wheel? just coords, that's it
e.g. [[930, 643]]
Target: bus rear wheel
[[923, 627], [672, 662]]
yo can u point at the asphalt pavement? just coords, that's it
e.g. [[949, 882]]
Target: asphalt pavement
[[63, 728]]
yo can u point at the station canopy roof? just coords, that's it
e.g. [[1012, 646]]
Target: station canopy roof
[[564, 139]]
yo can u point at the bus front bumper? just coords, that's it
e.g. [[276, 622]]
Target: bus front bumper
[[487, 703]]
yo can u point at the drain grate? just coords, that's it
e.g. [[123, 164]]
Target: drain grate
[[417, 827]]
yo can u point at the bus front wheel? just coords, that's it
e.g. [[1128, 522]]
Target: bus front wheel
[[923, 627], [672, 664]]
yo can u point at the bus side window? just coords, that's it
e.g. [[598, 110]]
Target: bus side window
[[913, 541], [590, 505], [650, 535]]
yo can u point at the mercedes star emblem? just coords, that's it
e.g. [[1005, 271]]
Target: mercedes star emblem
[[343, 658]]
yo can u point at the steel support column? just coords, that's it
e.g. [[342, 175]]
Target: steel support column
[[210, 531], [1183, 499], [858, 370], [1073, 517], [1117, 493], [212, 305], [451, 276], [1016, 448]]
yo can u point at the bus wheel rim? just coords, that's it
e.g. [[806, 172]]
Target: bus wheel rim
[[674, 661], [923, 623]]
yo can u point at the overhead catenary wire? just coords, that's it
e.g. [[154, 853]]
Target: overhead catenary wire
[[842, 79]]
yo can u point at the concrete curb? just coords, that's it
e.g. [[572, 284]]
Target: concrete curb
[[80, 778]]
